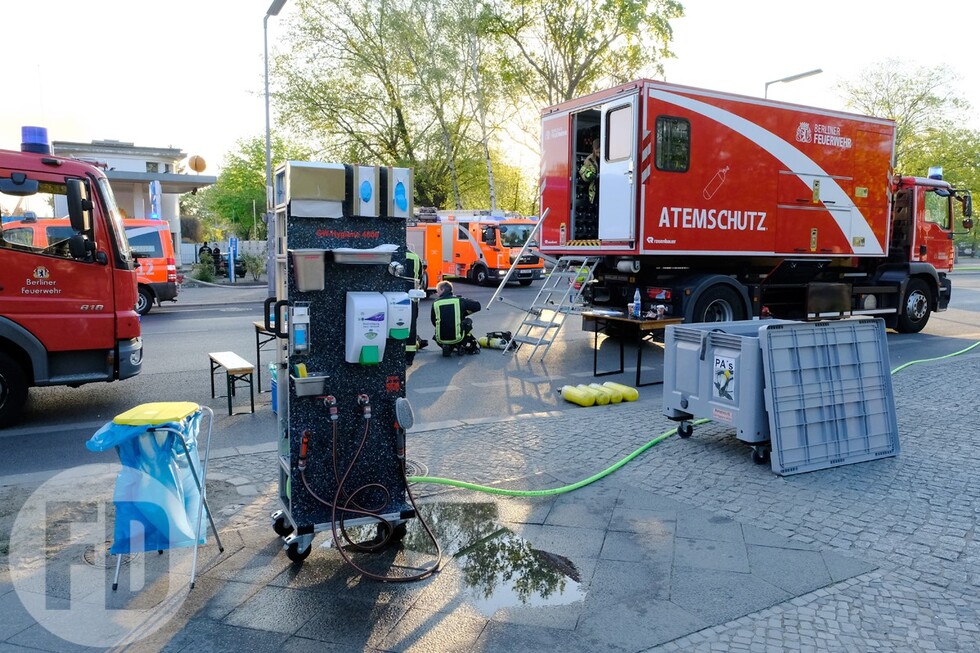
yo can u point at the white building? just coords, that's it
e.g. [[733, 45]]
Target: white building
[[131, 170]]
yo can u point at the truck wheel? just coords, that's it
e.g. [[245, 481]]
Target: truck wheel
[[144, 302], [480, 274], [13, 390], [719, 304], [424, 283], [915, 307]]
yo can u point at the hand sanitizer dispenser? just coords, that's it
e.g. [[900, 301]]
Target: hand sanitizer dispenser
[[367, 328], [399, 314], [299, 329]]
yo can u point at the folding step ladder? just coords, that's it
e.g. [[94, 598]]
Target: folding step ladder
[[560, 296]]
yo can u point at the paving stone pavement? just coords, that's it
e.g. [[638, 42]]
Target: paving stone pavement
[[690, 547]]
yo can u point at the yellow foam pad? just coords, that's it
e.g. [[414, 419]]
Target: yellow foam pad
[[157, 413]]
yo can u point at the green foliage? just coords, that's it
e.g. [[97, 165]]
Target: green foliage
[[918, 99], [203, 270], [559, 50], [443, 86], [927, 109], [237, 201], [254, 264]]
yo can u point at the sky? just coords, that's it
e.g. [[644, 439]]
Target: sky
[[189, 73]]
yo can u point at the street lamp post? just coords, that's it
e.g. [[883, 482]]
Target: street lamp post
[[792, 78], [270, 222]]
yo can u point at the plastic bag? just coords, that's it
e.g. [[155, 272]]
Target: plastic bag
[[156, 497]]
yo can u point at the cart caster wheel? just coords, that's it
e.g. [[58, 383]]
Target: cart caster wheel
[[281, 525], [396, 535], [760, 455], [293, 552], [685, 430]]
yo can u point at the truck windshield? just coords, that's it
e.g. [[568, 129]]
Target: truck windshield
[[515, 235], [116, 220]]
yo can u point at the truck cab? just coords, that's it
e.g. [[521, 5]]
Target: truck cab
[[476, 246], [67, 308]]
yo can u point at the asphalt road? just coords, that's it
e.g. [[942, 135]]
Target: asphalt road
[[177, 338]]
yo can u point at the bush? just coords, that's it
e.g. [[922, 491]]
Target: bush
[[254, 264], [204, 269]]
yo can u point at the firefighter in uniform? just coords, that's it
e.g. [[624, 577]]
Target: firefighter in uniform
[[450, 316], [589, 171], [414, 267]]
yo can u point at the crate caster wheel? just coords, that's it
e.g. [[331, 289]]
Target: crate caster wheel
[[760, 455], [685, 429], [298, 548], [281, 525]]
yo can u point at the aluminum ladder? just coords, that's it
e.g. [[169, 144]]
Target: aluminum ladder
[[560, 296]]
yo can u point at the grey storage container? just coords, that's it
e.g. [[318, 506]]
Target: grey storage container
[[714, 370], [818, 394]]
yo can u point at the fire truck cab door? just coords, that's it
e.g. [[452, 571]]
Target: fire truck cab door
[[617, 170]]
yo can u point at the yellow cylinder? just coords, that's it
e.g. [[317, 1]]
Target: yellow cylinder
[[601, 398], [629, 393], [492, 343], [615, 396], [576, 396]]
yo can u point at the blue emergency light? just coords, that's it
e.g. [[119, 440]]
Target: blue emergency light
[[34, 139]]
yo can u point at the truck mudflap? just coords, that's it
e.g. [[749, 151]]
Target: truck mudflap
[[130, 354], [945, 293]]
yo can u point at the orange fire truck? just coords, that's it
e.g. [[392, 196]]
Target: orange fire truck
[[67, 310], [723, 207], [473, 245]]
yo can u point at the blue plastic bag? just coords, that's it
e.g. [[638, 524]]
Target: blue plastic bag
[[156, 498]]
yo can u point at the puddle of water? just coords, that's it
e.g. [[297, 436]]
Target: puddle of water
[[499, 568]]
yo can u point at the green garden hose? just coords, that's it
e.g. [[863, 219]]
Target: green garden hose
[[436, 480]]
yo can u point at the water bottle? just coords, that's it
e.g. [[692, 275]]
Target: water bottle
[[636, 303]]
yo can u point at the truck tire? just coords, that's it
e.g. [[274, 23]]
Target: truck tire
[[916, 307], [719, 304], [13, 390], [480, 274], [144, 302]]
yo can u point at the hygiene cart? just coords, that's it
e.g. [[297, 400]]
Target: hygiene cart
[[160, 494], [342, 313]]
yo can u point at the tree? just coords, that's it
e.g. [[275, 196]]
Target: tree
[[237, 201], [926, 107], [917, 99], [561, 49]]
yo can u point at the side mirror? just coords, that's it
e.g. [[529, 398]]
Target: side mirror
[[968, 208], [79, 206], [968, 223], [78, 246]]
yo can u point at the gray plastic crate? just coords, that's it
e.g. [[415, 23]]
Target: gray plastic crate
[[714, 370], [828, 394]]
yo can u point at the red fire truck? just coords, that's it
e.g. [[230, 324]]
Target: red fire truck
[[67, 309], [724, 207]]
